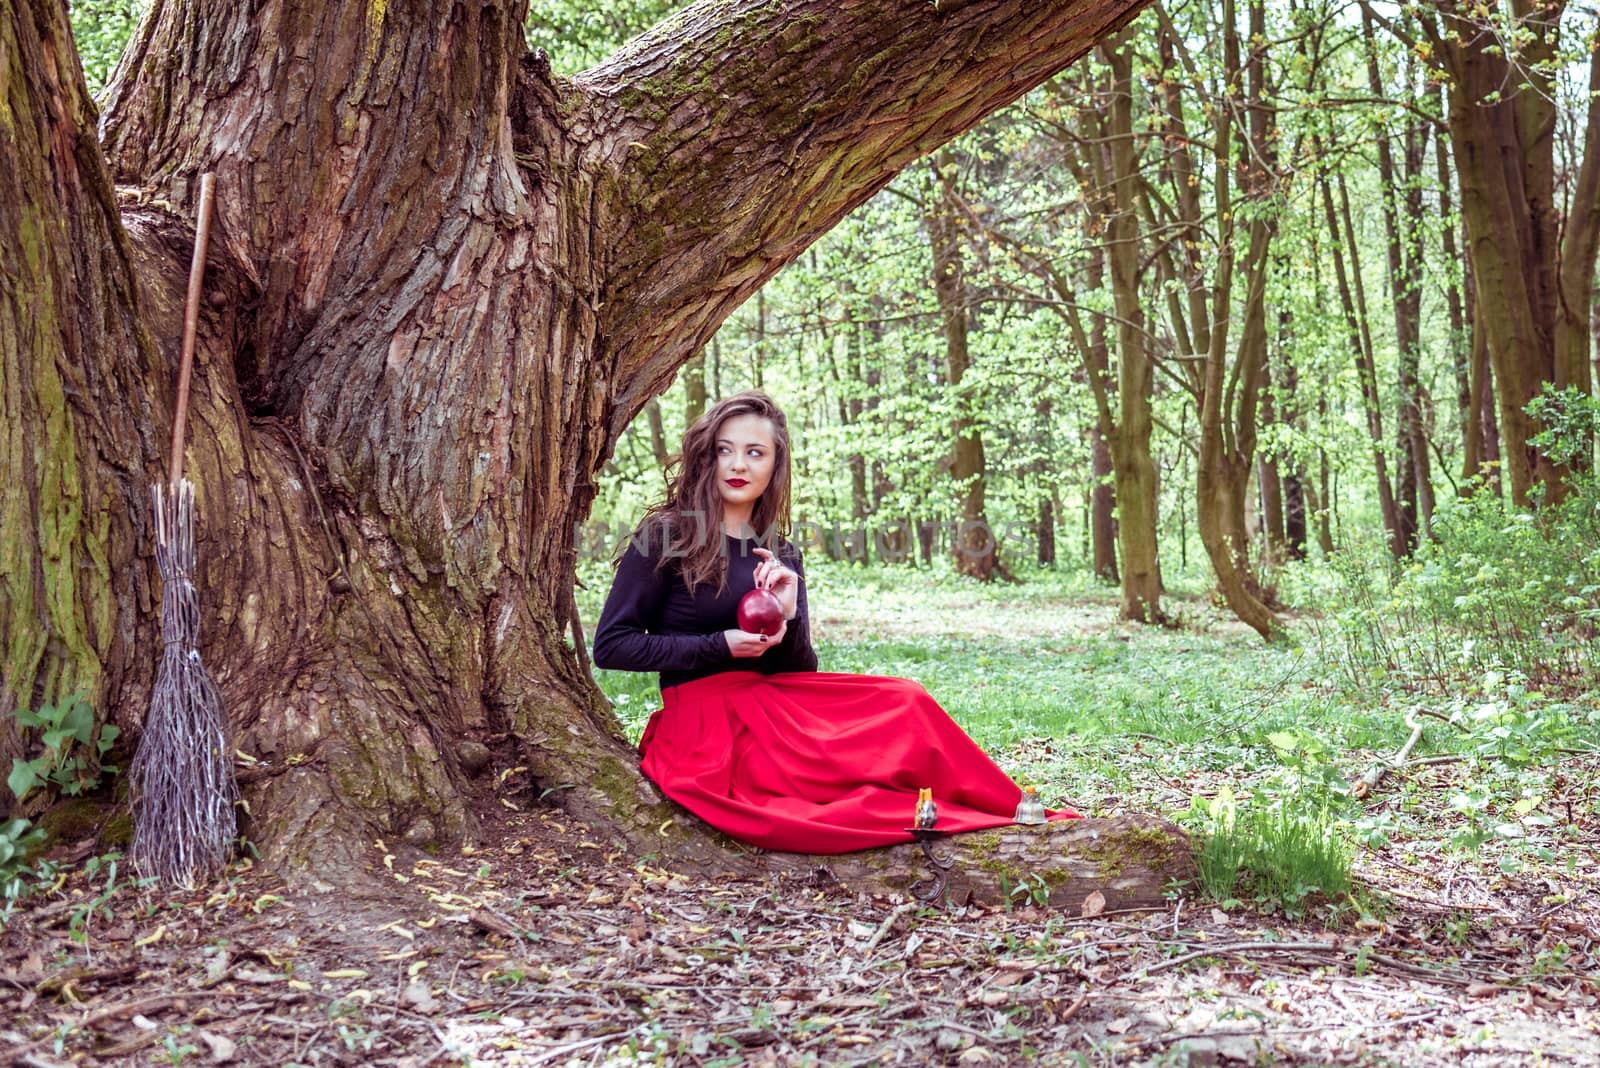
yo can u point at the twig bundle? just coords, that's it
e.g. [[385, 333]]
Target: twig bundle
[[183, 783], [183, 786]]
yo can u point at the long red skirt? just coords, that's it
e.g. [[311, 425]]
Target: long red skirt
[[818, 762]]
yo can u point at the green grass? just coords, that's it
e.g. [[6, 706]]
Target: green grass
[[1110, 717], [1282, 856], [1042, 675]]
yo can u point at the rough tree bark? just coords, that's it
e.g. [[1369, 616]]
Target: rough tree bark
[[79, 377], [443, 281]]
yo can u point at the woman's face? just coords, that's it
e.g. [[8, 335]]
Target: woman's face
[[745, 459]]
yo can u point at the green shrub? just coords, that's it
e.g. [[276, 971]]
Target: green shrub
[[19, 840], [1498, 591], [73, 751]]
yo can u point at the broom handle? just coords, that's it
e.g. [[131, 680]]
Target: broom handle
[[191, 324]]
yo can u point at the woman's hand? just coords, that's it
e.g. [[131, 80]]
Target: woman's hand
[[783, 582], [744, 643]]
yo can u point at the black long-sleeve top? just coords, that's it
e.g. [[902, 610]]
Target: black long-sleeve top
[[651, 622]]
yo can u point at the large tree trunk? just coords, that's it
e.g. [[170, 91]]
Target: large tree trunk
[[1129, 862], [443, 282], [83, 398], [1534, 268]]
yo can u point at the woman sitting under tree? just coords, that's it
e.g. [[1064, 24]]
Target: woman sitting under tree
[[751, 737]]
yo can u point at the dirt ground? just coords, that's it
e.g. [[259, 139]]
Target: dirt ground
[[543, 946]]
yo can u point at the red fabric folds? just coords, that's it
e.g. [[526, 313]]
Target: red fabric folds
[[819, 762]]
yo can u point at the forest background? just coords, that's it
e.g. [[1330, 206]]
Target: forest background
[[1271, 324]]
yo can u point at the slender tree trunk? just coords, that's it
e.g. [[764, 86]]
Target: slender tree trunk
[[1325, 501], [1046, 531], [1106, 169], [694, 387], [1230, 390], [443, 282], [658, 434], [1103, 481], [1460, 343], [1102, 507], [975, 544], [1401, 191], [1354, 312], [1129, 440], [1294, 489], [1481, 465], [1473, 375], [1271, 487], [860, 498], [1294, 515], [1042, 474], [1581, 238], [1413, 405], [1487, 409]]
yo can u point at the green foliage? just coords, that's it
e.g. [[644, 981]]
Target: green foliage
[[19, 840], [1571, 420], [1500, 592], [577, 35], [101, 29], [73, 751], [1283, 856]]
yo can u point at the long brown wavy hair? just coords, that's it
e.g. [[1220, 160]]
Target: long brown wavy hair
[[687, 524]]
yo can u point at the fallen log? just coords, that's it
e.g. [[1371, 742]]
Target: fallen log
[[1130, 861]]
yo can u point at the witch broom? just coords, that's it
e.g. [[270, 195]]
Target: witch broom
[[182, 775]]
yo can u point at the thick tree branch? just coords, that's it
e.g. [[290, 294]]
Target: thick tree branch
[[747, 130]]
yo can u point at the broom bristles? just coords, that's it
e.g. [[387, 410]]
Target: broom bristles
[[183, 788]]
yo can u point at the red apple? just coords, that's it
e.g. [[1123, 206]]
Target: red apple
[[760, 612]]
